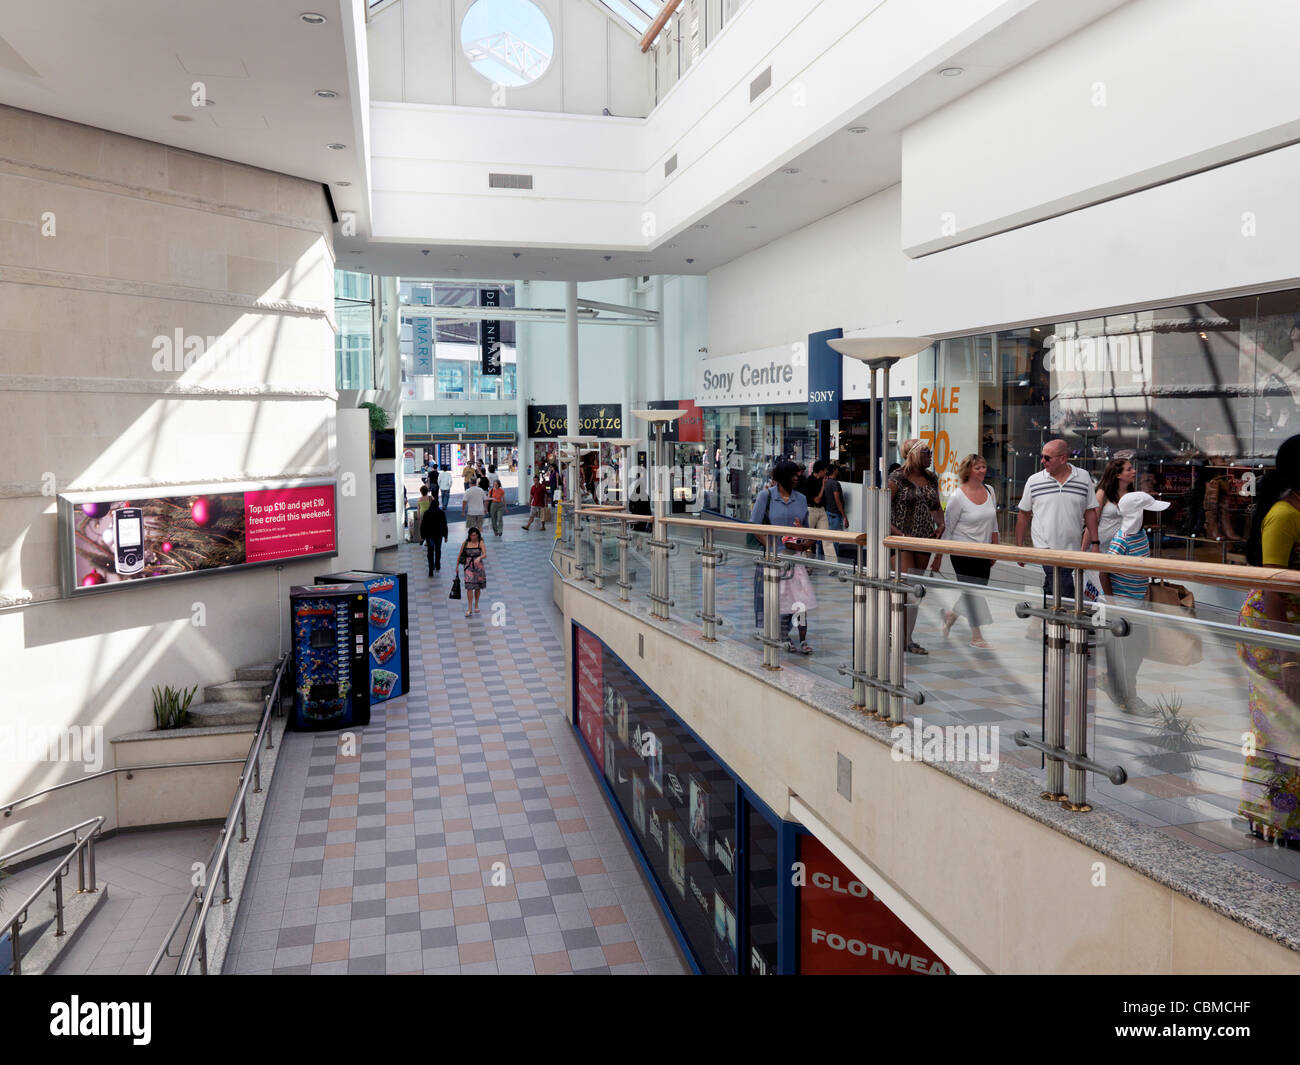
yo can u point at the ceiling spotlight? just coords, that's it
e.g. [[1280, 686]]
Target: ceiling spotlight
[[739, 203], [312, 18], [515, 254], [343, 184], [857, 129], [182, 118], [336, 147], [951, 72], [701, 225], [670, 245], [690, 261], [326, 94], [424, 251], [607, 257], [790, 170]]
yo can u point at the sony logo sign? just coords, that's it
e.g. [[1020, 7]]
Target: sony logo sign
[[821, 395]]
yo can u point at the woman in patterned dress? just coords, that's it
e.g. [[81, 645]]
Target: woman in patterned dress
[[914, 510], [1270, 786], [473, 556]]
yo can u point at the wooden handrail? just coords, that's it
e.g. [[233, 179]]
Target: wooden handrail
[[1163, 568], [658, 24]]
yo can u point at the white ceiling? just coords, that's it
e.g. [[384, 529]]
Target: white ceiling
[[130, 65]]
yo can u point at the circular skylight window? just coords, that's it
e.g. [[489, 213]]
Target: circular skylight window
[[509, 42]]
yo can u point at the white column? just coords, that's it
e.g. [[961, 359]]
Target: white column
[[571, 355], [661, 371], [523, 341]]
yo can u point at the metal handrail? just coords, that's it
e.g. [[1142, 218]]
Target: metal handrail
[[83, 848], [197, 938], [9, 807]]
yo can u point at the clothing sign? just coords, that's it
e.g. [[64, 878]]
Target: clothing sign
[[846, 930], [490, 335], [771, 376], [598, 419], [422, 333], [825, 376]]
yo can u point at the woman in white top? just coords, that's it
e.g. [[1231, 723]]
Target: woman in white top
[[1116, 479], [971, 517]]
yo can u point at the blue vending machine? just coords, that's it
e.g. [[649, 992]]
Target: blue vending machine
[[330, 676], [388, 639]]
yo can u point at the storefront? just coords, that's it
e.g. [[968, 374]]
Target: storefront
[[1198, 396], [549, 422], [755, 414]]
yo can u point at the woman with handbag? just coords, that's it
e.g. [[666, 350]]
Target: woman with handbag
[[914, 510], [473, 556], [778, 504], [1270, 786], [971, 517]]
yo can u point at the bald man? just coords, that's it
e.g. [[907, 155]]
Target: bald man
[[1059, 509]]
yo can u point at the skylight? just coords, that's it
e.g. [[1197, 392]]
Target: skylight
[[509, 42], [636, 13]]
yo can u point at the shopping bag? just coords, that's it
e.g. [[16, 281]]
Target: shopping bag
[[455, 587], [797, 591], [1173, 645], [1091, 586]]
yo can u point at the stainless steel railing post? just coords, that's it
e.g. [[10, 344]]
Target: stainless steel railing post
[[864, 697], [1077, 777], [81, 868], [708, 586], [579, 567], [58, 904], [624, 573], [1054, 725], [897, 638], [881, 601], [598, 567], [771, 603], [90, 859]]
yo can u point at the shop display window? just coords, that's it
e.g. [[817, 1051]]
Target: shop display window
[[742, 444]]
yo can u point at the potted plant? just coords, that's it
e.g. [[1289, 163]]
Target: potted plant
[[171, 708]]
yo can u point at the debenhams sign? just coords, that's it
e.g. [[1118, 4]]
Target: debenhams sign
[[770, 376]]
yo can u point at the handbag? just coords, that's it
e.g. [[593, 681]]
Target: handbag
[[797, 590], [752, 541], [455, 586], [1172, 644]]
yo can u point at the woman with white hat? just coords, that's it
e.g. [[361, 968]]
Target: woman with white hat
[[1124, 654]]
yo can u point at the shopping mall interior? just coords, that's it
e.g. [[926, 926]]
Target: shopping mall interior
[[445, 379]]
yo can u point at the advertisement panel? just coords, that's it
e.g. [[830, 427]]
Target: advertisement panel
[[591, 720], [845, 929], [108, 541], [490, 335]]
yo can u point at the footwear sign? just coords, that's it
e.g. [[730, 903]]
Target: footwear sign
[[846, 930]]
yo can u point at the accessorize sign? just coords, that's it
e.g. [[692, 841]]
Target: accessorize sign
[[106, 540], [598, 419], [771, 376]]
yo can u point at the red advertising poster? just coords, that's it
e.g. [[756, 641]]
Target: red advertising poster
[[288, 522], [690, 426], [112, 541], [591, 694], [844, 929]]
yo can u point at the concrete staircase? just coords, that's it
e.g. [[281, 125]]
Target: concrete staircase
[[235, 702]]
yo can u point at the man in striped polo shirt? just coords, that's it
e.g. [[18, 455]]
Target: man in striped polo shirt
[[1059, 505], [1124, 654]]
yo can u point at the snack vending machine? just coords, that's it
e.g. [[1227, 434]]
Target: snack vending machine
[[388, 639], [329, 656]]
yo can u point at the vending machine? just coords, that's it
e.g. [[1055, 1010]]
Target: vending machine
[[330, 668], [388, 636]]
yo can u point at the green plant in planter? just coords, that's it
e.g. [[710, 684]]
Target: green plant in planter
[[378, 416], [171, 708]]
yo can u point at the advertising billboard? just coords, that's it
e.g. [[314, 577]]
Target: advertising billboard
[[108, 540]]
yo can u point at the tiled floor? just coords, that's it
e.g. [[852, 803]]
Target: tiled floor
[[467, 833], [147, 876]]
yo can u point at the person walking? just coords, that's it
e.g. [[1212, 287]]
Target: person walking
[[914, 510], [497, 499], [444, 485], [469, 475], [473, 505], [536, 503], [777, 504], [473, 556], [813, 488], [1058, 505], [433, 531], [1270, 783], [972, 518], [1116, 479], [1124, 655]]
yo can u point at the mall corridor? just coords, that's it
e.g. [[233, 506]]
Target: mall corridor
[[383, 861]]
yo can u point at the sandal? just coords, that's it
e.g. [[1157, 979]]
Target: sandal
[[981, 645], [949, 620], [805, 649], [468, 612], [916, 649]]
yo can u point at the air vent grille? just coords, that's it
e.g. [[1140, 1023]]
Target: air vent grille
[[760, 85], [510, 181]]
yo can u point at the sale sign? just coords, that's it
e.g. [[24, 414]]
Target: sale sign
[[288, 522], [845, 929]]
